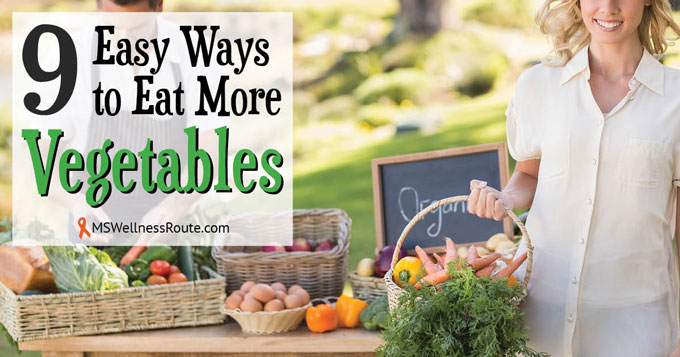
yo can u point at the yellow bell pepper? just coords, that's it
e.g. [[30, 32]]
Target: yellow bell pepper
[[406, 270], [349, 311]]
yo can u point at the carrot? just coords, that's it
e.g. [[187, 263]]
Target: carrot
[[511, 267], [430, 268], [439, 260], [472, 253], [422, 255], [486, 271], [132, 254], [451, 253], [438, 277], [480, 263]]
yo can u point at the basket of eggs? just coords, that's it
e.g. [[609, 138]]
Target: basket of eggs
[[265, 309]]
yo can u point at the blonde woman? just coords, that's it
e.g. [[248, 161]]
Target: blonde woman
[[596, 136]]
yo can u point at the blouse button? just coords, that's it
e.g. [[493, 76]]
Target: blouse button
[[582, 241], [574, 281], [633, 83], [571, 318], [594, 161], [590, 201]]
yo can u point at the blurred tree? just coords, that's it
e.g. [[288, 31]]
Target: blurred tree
[[422, 18], [418, 17], [675, 4]]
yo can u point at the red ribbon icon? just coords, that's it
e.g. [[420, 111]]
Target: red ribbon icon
[[83, 229]]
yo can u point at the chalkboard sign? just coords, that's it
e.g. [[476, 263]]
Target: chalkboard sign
[[404, 185]]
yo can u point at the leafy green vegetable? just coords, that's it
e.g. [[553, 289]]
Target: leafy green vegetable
[[375, 315], [77, 268], [116, 253], [470, 316], [203, 258]]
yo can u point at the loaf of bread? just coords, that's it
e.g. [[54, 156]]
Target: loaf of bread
[[25, 268]]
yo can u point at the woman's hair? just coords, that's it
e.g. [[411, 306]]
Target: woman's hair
[[561, 20]]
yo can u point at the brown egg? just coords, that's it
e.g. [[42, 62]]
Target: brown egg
[[292, 301], [251, 305], [279, 287], [280, 295], [239, 292], [274, 305], [249, 295], [234, 301], [262, 292], [293, 288], [247, 286], [303, 295]]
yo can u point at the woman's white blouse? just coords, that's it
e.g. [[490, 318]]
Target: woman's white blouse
[[604, 280]]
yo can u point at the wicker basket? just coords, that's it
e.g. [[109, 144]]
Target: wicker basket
[[394, 291], [367, 288], [320, 273], [34, 317], [267, 322]]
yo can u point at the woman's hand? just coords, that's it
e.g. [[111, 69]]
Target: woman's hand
[[487, 202]]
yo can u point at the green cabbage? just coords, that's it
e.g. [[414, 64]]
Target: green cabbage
[[77, 269]]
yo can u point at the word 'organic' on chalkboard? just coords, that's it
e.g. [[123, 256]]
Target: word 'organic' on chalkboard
[[405, 185]]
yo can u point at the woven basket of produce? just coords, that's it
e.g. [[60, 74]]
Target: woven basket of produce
[[319, 265], [103, 304], [483, 266], [454, 305], [367, 288], [267, 309]]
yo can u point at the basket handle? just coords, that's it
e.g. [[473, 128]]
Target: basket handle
[[445, 201], [329, 300]]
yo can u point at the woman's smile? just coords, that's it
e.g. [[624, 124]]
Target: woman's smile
[[608, 25]]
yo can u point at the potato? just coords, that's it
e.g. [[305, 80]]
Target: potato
[[365, 267], [482, 251], [492, 243], [463, 252], [505, 245]]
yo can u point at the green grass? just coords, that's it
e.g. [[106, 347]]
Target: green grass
[[8, 351], [346, 182]]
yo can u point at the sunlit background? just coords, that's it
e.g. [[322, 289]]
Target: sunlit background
[[372, 79]]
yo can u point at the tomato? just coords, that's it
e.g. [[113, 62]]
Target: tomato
[[174, 269], [160, 267], [177, 278], [156, 280]]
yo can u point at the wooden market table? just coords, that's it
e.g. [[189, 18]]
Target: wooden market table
[[226, 339]]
